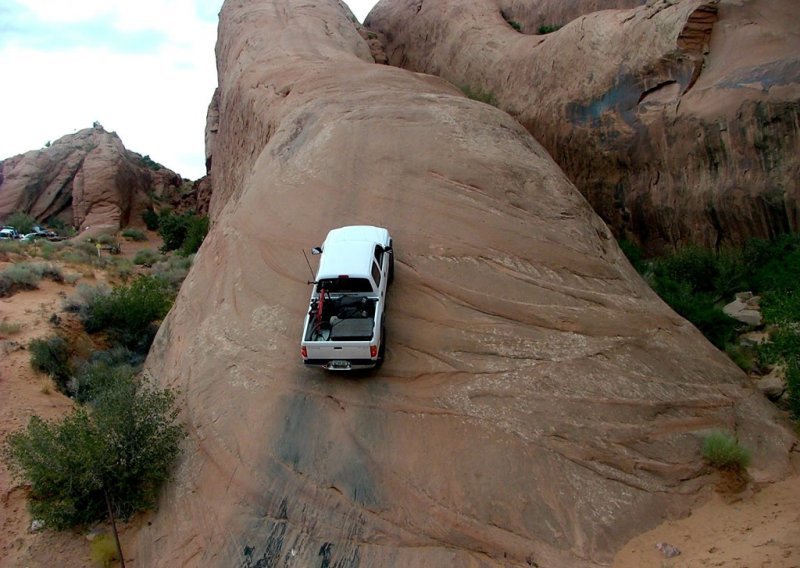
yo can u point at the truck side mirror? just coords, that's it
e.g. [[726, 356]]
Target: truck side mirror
[[316, 250], [387, 249]]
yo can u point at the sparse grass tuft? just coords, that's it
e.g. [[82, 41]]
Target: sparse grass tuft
[[723, 451], [547, 28], [51, 356], [478, 94], [104, 551], [9, 328]]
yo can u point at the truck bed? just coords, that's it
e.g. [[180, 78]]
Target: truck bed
[[343, 318]]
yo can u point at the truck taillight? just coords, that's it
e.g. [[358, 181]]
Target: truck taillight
[[373, 350], [304, 352]]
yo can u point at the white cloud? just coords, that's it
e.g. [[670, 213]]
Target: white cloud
[[144, 69]]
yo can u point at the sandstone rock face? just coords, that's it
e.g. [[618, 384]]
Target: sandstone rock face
[[88, 179], [679, 121], [531, 14], [539, 405]]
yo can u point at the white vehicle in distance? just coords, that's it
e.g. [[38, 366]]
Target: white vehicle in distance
[[345, 327]]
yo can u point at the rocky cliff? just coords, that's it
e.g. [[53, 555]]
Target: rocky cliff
[[87, 179], [539, 405], [678, 120]]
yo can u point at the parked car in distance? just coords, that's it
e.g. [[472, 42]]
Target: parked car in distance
[[9, 233]]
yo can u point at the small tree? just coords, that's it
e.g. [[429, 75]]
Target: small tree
[[109, 462], [22, 222]]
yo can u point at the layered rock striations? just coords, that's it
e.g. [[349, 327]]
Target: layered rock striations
[[88, 179], [678, 120], [539, 405]]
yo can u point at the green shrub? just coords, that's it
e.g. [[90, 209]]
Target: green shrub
[[60, 227], [104, 551], [94, 378], [52, 356], [22, 222], [129, 311], [478, 94], [634, 254], [195, 234], [121, 451], [547, 28], [173, 270], [515, 24], [793, 385], [134, 235], [723, 451], [150, 219], [146, 257]]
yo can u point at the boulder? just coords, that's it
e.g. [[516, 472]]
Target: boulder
[[773, 387], [539, 405], [671, 133], [745, 308], [88, 179]]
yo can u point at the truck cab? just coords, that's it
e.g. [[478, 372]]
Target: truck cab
[[345, 326]]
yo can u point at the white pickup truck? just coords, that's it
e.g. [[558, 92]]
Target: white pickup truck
[[345, 327]]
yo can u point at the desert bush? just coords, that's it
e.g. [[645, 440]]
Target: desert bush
[[85, 295], [9, 328], [22, 222], [104, 551], [11, 246], [121, 451], [129, 311], [61, 227], [150, 219], [134, 235], [96, 377], [147, 257], [52, 356], [106, 240], [173, 270], [723, 451], [515, 24], [547, 28], [184, 233], [478, 94], [195, 235], [21, 276]]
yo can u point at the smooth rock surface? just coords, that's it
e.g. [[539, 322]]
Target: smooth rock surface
[[678, 120], [539, 405]]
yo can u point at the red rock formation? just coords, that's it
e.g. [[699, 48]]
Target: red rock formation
[[531, 14], [677, 120], [539, 404], [87, 179]]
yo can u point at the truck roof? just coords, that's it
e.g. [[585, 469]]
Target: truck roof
[[348, 251]]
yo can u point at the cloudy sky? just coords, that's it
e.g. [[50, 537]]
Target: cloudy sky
[[142, 68]]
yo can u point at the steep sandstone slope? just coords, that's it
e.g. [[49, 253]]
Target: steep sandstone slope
[[87, 178], [538, 405], [679, 121]]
